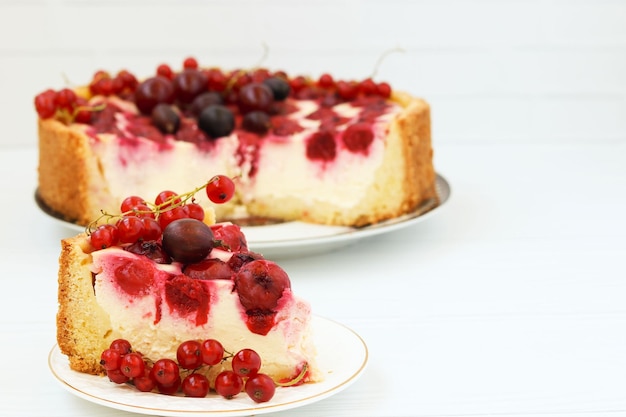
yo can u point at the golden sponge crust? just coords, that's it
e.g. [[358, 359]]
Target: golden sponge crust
[[83, 328]]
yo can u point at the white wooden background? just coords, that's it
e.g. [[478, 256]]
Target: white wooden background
[[495, 71]]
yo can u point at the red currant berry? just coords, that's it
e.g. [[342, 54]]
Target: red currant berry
[[190, 62], [368, 87], [116, 375], [165, 70], [170, 389], [151, 229], [129, 202], [189, 355], [165, 372], [144, 382], [132, 365], [384, 90], [45, 104], [220, 189], [228, 384], [82, 113], [260, 388], [110, 359], [121, 345], [246, 363], [212, 352], [195, 211], [347, 90], [128, 80], [168, 216], [326, 81], [105, 236], [65, 99], [141, 211], [195, 385], [165, 199], [130, 229]]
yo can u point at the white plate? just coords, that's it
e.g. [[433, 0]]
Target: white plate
[[291, 239], [342, 357]]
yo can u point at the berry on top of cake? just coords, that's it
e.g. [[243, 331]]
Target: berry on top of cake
[[322, 150]]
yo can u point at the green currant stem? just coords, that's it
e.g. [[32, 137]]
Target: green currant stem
[[297, 379]]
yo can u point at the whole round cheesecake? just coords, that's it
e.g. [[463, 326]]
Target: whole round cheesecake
[[327, 151]]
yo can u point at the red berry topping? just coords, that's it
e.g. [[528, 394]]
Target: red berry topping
[[153, 91], [190, 62], [104, 236], [260, 284], [187, 240], [45, 104], [188, 84], [358, 137], [207, 269], [165, 70], [321, 146], [65, 99]]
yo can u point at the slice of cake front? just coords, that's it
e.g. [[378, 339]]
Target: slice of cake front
[[190, 282]]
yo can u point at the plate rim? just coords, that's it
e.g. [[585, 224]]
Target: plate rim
[[55, 355], [347, 234]]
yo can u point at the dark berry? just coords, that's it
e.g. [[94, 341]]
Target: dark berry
[[187, 240], [165, 118], [153, 91], [216, 121], [257, 122], [203, 101], [255, 96], [280, 88], [188, 84]]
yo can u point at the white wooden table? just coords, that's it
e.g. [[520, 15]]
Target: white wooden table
[[511, 301]]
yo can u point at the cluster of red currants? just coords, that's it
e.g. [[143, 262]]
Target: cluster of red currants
[[187, 373], [64, 105], [141, 221]]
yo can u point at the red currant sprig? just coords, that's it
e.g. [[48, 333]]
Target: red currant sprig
[[186, 375], [141, 220]]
